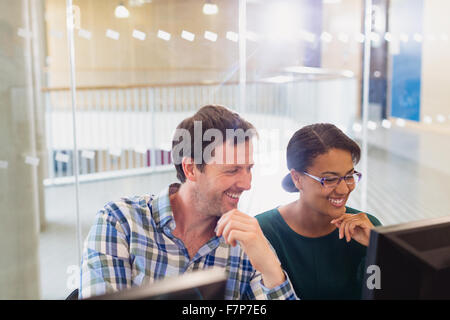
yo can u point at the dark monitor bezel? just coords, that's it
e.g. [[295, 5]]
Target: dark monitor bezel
[[207, 284], [412, 262]]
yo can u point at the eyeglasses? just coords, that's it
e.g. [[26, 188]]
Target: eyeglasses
[[333, 181]]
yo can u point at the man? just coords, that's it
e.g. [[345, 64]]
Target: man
[[189, 226]]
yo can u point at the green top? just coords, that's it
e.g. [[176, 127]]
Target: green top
[[319, 268]]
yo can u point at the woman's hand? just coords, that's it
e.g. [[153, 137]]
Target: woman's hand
[[237, 226], [354, 226]]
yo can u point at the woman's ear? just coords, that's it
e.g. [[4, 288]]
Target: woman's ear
[[296, 178], [189, 168]]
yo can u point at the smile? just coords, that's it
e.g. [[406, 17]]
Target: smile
[[337, 202], [233, 195]]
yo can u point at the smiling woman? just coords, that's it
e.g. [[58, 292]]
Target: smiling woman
[[308, 233]]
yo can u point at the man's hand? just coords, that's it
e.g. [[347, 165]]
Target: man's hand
[[354, 226], [237, 226]]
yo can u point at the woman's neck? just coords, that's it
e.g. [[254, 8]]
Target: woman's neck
[[305, 220]]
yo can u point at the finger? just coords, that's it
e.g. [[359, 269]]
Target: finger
[[236, 235], [342, 228], [235, 214], [224, 220], [351, 225], [341, 218], [351, 228], [348, 237], [337, 224], [234, 225]]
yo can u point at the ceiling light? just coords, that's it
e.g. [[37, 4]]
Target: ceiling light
[[211, 36], [210, 8], [400, 122], [186, 35], [307, 36], [357, 127], [386, 124], [121, 11], [372, 125], [139, 35], [163, 35], [232, 36], [418, 37], [388, 37]]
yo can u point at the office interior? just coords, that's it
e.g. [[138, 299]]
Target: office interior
[[92, 90]]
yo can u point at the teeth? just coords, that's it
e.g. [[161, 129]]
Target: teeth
[[232, 195], [337, 201]]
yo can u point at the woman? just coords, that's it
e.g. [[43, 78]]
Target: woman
[[320, 242]]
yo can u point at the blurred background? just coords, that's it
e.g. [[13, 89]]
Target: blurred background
[[92, 90]]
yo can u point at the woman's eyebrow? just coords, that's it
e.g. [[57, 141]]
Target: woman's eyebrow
[[335, 173]]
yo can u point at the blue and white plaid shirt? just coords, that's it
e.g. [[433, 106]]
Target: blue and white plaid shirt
[[131, 244]]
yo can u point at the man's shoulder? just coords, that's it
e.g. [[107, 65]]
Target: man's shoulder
[[129, 208]]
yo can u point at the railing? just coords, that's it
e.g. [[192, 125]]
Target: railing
[[129, 127]]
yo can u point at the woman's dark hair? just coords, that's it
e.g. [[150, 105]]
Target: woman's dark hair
[[314, 140]]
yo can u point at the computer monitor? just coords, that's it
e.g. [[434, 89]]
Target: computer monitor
[[207, 284], [413, 261]]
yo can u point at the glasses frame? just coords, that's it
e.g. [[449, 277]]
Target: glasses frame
[[321, 180]]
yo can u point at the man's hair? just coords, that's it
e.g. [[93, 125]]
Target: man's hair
[[210, 117]]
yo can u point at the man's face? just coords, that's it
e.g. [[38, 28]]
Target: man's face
[[224, 178]]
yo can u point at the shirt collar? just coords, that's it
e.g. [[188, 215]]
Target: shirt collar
[[161, 210]]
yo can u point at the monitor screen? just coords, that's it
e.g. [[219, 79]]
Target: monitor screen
[[197, 285], [412, 261]]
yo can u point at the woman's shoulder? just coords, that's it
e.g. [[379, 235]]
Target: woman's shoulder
[[267, 216], [372, 218]]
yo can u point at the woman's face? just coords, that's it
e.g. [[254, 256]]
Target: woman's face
[[327, 201]]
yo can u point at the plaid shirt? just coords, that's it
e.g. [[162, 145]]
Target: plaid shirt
[[131, 244]]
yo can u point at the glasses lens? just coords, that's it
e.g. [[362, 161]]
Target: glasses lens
[[352, 179], [330, 182]]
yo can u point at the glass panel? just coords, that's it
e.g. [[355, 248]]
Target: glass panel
[[37, 214], [304, 65], [409, 118], [140, 69]]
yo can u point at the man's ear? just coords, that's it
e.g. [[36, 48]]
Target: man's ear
[[189, 168], [296, 178]]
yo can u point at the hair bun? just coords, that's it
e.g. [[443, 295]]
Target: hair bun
[[288, 184]]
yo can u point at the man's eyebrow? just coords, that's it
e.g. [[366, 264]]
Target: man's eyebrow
[[336, 174], [238, 166]]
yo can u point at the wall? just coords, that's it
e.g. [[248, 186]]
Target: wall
[[103, 61], [436, 59]]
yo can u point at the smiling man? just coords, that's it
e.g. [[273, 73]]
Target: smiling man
[[190, 225]]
